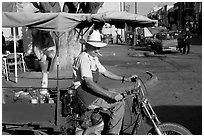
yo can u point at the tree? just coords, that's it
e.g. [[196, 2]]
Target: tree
[[69, 46], [68, 42]]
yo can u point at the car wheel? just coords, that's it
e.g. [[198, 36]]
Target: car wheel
[[160, 51], [159, 47]]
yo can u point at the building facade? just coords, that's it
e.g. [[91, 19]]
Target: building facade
[[130, 7], [182, 15]]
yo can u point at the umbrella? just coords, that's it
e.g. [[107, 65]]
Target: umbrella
[[64, 22], [61, 22], [119, 19], [147, 33]]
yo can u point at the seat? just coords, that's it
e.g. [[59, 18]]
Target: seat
[[10, 62]]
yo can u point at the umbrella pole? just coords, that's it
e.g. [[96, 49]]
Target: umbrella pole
[[15, 56], [57, 58], [58, 91]]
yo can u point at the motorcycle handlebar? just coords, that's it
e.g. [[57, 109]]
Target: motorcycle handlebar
[[135, 77], [150, 81], [149, 73]]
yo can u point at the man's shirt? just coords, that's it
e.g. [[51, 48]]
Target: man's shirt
[[83, 66]]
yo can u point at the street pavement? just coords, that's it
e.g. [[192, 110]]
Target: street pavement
[[178, 95]]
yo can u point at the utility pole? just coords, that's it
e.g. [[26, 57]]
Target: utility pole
[[135, 7], [122, 9], [122, 6], [134, 29]]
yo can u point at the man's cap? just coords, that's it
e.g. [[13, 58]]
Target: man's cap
[[94, 39]]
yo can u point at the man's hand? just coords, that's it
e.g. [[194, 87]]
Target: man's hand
[[118, 97], [131, 78]]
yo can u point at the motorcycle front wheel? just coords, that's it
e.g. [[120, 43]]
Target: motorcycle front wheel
[[171, 129]]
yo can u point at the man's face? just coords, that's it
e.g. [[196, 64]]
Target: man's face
[[93, 51]]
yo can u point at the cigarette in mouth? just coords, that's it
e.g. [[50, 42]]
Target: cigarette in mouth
[[100, 54]]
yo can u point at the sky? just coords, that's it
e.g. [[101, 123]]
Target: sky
[[143, 7]]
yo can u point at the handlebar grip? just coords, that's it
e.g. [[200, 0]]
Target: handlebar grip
[[150, 74], [153, 80]]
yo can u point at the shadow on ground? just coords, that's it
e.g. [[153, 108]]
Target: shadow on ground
[[187, 116]]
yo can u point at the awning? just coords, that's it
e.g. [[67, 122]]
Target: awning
[[119, 19], [9, 7], [43, 21], [67, 21]]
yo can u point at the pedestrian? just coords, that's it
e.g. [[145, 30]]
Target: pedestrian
[[180, 41], [3, 44], [186, 42], [86, 69], [118, 36]]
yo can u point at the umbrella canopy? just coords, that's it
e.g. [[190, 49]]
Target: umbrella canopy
[[43, 21], [9, 7], [67, 21], [119, 19]]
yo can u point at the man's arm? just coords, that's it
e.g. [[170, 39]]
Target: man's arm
[[186, 37], [96, 88], [113, 76]]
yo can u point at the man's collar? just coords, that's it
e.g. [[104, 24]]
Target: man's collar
[[91, 57]]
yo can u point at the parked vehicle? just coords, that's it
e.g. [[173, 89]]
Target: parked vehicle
[[158, 39], [144, 37], [62, 113], [164, 41]]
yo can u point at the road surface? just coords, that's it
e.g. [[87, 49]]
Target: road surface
[[178, 95]]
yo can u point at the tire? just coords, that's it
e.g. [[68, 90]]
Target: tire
[[156, 46], [171, 129], [160, 50]]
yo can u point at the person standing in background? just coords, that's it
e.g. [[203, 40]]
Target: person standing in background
[[180, 41], [3, 43], [118, 37], [186, 41]]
